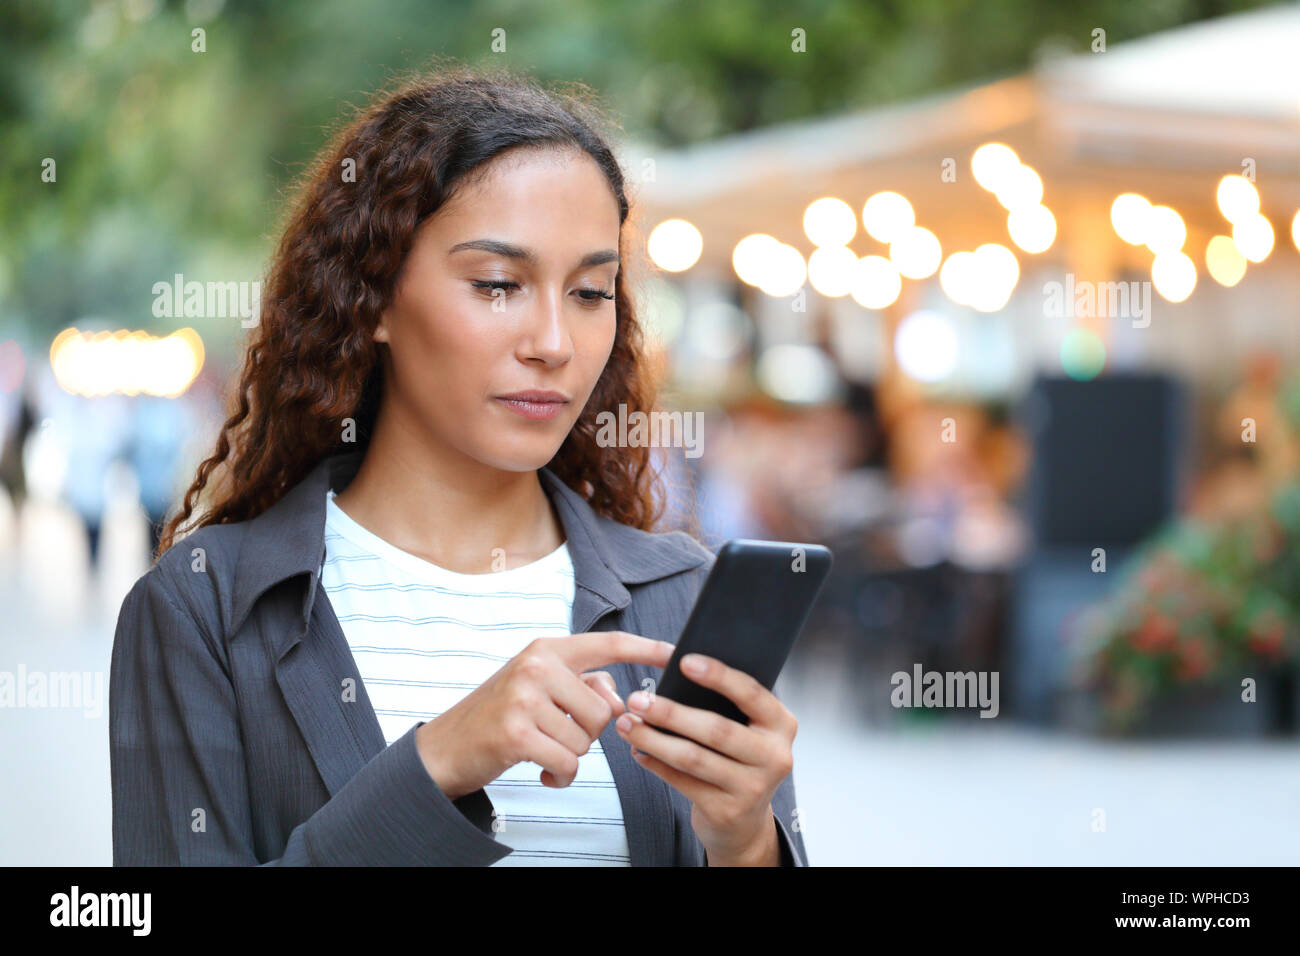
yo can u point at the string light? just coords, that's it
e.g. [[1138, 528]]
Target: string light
[[127, 363]]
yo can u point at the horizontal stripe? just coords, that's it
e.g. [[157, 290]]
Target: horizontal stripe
[[423, 638], [451, 621], [435, 589]]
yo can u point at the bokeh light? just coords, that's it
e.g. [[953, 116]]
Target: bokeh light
[[785, 272], [1174, 275], [876, 283], [992, 164], [1032, 228], [126, 363], [1128, 215], [1224, 262], [1253, 236], [829, 222], [13, 365], [925, 346], [955, 277], [994, 273], [1083, 354], [831, 270], [675, 245], [916, 253], [1237, 198], [1021, 186], [751, 256], [800, 374], [1165, 230], [887, 215]]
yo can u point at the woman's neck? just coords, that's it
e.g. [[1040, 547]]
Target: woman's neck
[[448, 509]]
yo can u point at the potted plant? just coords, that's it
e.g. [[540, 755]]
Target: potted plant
[[1203, 609]]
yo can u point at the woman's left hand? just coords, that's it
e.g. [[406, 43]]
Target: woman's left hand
[[730, 790]]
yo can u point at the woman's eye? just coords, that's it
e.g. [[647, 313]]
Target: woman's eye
[[491, 285], [590, 296]]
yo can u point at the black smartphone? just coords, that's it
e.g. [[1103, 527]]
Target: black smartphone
[[748, 615]]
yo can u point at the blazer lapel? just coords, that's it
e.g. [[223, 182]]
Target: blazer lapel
[[598, 601], [644, 798], [337, 721]]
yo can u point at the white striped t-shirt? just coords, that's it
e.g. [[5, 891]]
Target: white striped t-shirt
[[423, 637]]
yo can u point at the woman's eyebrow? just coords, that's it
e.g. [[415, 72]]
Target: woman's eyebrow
[[511, 251]]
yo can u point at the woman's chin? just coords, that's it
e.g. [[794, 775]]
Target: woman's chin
[[520, 457]]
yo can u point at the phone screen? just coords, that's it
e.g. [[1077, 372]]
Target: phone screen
[[749, 613]]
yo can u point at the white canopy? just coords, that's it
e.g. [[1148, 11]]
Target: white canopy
[[1166, 116]]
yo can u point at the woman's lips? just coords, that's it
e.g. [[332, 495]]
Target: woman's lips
[[537, 406]]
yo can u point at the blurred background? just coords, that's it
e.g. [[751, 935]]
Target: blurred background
[[998, 300]]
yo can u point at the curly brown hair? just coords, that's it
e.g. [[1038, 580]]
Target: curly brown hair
[[313, 362]]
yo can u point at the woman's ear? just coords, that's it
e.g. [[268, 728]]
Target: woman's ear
[[380, 334]]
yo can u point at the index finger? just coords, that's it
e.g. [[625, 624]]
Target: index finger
[[582, 652]]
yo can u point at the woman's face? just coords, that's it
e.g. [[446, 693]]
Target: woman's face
[[507, 291]]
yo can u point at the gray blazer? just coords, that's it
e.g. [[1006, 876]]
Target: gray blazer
[[231, 740]]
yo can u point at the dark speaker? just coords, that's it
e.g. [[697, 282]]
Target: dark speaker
[[1107, 457]]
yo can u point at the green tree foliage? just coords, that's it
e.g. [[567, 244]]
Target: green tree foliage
[[171, 160]]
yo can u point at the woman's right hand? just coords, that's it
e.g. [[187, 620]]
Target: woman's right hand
[[521, 713]]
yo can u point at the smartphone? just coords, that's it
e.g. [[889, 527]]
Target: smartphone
[[748, 615]]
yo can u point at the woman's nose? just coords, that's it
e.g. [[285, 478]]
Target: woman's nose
[[546, 334]]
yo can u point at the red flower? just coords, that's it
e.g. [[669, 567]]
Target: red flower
[[1267, 640], [1193, 661], [1157, 633]]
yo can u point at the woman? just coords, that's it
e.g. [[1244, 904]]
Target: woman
[[407, 624]]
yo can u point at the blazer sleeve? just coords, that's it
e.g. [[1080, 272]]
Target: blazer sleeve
[[180, 781], [788, 825]]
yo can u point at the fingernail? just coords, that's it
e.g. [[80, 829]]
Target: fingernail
[[639, 701], [624, 723], [693, 664]]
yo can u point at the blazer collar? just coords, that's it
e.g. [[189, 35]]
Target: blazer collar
[[288, 539]]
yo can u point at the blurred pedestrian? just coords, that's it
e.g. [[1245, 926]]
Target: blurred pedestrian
[[158, 429], [12, 474], [96, 430]]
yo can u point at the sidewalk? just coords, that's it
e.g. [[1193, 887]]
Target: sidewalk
[[986, 792]]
